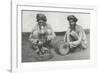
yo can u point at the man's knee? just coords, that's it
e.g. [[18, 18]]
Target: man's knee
[[74, 35], [35, 34], [49, 32]]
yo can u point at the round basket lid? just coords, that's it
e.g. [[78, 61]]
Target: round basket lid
[[63, 49]]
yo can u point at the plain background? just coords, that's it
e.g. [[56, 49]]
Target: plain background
[[57, 20], [5, 34]]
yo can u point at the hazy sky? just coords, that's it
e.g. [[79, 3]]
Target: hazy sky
[[57, 20]]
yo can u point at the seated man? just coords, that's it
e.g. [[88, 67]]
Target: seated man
[[75, 35], [42, 34]]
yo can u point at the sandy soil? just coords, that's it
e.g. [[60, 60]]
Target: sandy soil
[[28, 52]]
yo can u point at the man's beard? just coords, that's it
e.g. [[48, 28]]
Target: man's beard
[[72, 27], [42, 29]]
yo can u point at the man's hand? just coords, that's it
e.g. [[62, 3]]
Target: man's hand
[[72, 45], [49, 38], [40, 43], [35, 41]]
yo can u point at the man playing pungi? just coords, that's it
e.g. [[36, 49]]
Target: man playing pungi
[[42, 34]]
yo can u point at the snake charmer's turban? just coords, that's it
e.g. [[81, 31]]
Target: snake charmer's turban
[[72, 17], [40, 16]]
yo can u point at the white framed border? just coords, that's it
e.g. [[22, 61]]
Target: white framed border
[[18, 66]]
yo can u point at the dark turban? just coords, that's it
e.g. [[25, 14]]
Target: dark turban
[[41, 17], [72, 17]]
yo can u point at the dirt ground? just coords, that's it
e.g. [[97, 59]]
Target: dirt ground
[[28, 52]]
